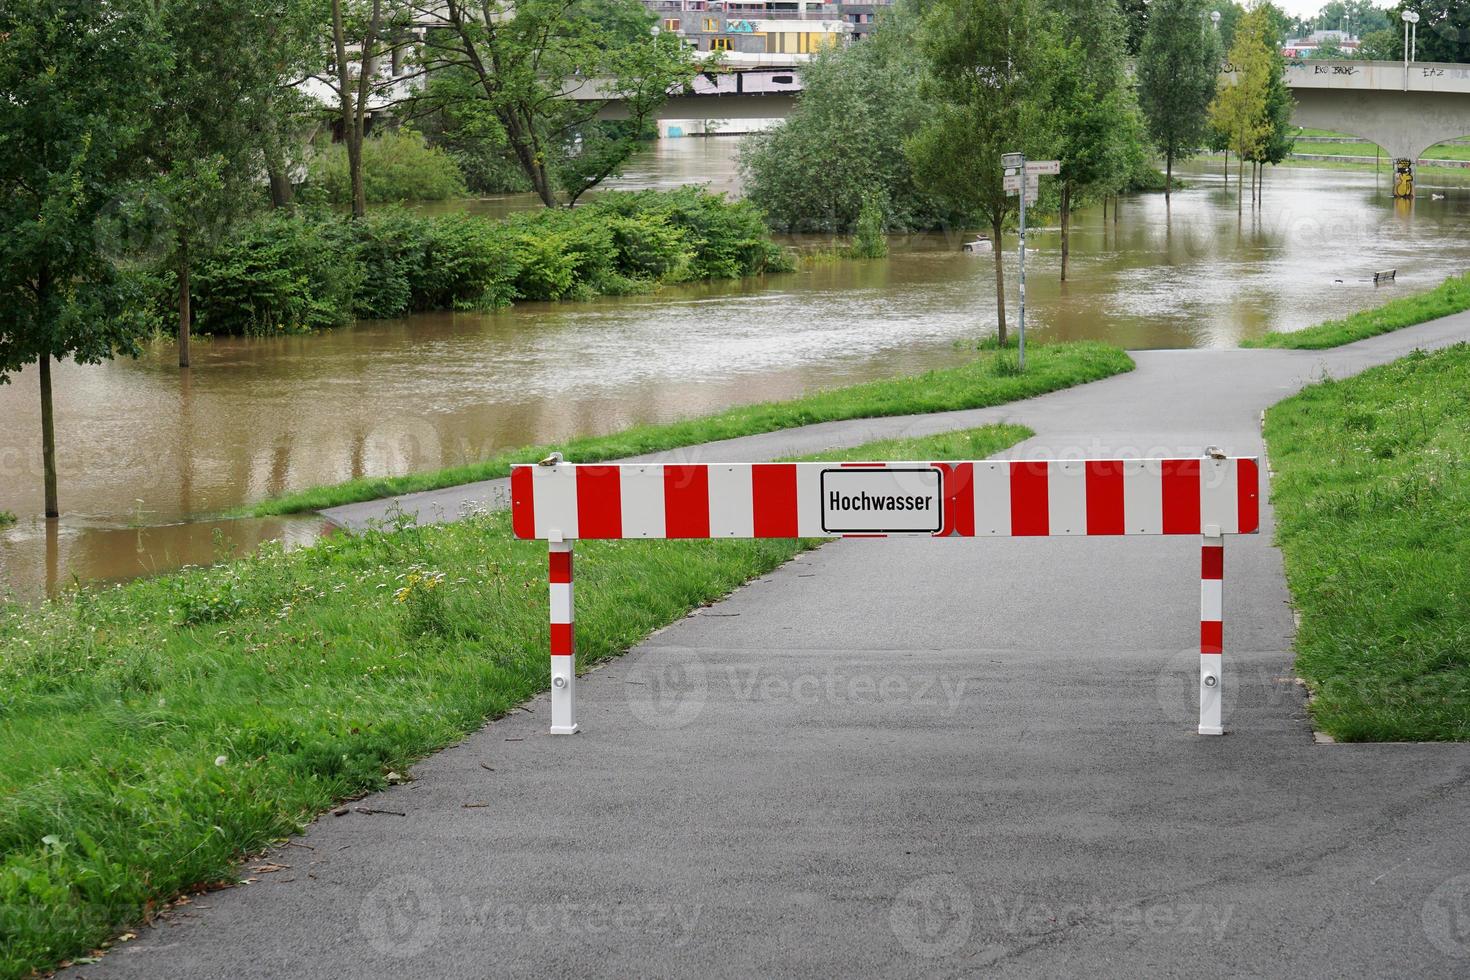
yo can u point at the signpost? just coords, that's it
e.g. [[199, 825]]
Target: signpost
[[1023, 178]]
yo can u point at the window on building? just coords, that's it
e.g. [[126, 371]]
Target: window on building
[[721, 44], [711, 25], [671, 24]]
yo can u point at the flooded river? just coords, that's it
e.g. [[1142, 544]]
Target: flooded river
[[148, 458]]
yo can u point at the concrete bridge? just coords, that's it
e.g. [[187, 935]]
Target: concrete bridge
[[1405, 111]]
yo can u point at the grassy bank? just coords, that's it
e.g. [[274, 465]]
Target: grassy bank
[[151, 734], [989, 379], [1371, 490], [1450, 296]]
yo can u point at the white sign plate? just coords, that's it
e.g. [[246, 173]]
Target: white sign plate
[[1013, 185], [1011, 159], [857, 500], [1044, 167]]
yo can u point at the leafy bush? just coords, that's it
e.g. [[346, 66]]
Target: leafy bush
[[869, 242], [397, 165], [284, 273], [278, 274]]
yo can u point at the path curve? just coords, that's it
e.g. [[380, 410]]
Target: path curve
[[908, 757]]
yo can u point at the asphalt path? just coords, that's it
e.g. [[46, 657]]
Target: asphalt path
[[905, 757]]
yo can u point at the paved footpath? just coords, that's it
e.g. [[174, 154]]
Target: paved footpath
[[901, 757]]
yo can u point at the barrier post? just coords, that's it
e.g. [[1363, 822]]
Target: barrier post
[[1211, 630], [563, 646]]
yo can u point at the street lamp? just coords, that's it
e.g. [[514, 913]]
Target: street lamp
[[655, 31], [1411, 20], [1215, 18]]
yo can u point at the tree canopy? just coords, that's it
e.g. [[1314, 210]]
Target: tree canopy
[[1178, 70]]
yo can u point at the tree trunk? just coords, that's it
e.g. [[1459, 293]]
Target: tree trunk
[[281, 191], [1227, 168], [351, 114], [1168, 174], [48, 438], [1000, 280], [1117, 206], [185, 321], [1066, 224], [1239, 183]]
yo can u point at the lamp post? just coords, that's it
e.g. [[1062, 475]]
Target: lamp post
[[1215, 18], [654, 32], [1411, 20]]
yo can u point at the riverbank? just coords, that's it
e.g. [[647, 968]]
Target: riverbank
[[156, 732], [989, 378], [1371, 489], [1450, 296]]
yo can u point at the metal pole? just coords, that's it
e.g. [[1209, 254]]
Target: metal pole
[[563, 646], [1211, 630], [1022, 318]]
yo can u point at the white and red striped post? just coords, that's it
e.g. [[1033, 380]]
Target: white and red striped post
[[563, 646], [1211, 629]]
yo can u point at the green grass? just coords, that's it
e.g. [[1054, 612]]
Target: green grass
[[1445, 151], [153, 733], [7, 518], [1450, 296], [988, 379], [1367, 165], [1371, 493]]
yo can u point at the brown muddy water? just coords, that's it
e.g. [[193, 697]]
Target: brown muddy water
[[149, 458]]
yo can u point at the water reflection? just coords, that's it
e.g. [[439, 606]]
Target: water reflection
[[146, 452]]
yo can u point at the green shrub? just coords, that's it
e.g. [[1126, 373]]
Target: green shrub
[[397, 165], [284, 273], [869, 241], [279, 274], [468, 264]]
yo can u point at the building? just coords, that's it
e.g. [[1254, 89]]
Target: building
[[767, 26], [1304, 47]]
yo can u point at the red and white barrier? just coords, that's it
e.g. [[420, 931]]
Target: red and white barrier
[[1210, 496]]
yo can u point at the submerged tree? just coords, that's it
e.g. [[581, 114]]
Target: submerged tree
[[216, 127], [1178, 68], [843, 145], [1093, 106], [1242, 109], [74, 112]]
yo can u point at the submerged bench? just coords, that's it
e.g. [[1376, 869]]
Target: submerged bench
[[1210, 496]]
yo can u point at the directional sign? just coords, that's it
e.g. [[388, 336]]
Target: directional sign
[[1011, 159], [1043, 167], [1013, 185]]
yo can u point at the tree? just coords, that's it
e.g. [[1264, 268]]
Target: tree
[[1241, 110], [1092, 104], [1178, 69], [1230, 13], [1382, 45], [1444, 29], [521, 60], [359, 34], [216, 127], [1329, 50], [990, 62], [75, 95], [1135, 21], [843, 145], [1279, 134]]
